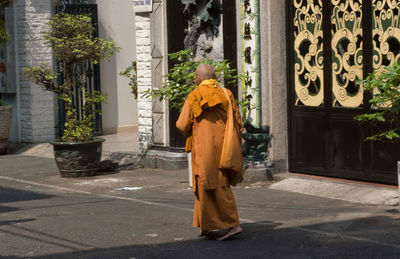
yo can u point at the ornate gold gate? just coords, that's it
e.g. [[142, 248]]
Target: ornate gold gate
[[332, 45]]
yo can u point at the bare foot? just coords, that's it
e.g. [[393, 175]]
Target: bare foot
[[205, 233], [231, 232]]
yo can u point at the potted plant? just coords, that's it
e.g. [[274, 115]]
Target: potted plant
[[5, 110], [71, 37]]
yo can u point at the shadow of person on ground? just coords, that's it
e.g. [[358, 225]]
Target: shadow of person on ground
[[269, 240]]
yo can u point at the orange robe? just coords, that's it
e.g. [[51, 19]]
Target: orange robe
[[203, 117]]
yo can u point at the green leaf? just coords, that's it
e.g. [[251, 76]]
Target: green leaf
[[385, 103]]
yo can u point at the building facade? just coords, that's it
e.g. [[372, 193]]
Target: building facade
[[303, 58], [35, 111], [169, 23], [332, 45]]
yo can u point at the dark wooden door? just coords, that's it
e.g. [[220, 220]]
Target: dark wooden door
[[332, 44], [176, 25]]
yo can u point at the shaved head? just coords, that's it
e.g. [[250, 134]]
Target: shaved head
[[204, 72]]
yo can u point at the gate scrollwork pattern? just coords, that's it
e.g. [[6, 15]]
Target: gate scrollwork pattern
[[347, 54], [308, 52], [386, 33]]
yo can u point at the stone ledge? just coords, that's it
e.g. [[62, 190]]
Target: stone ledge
[[257, 172], [166, 160], [162, 159]]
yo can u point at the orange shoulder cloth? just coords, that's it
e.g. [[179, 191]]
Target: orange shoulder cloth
[[207, 94]]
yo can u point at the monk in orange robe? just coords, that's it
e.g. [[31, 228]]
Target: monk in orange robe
[[203, 119]]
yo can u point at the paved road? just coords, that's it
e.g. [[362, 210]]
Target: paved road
[[45, 216]]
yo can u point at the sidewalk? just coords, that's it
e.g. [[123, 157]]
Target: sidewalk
[[125, 143], [124, 147], [340, 189]]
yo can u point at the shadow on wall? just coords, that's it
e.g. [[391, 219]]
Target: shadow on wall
[[108, 84], [342, 239]]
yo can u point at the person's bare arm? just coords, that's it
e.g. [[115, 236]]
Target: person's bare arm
[[185, 120]]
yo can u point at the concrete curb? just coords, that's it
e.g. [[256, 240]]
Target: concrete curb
[[352, 192]]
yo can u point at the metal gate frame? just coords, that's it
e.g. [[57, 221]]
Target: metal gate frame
[[90, 71], [326, 135]]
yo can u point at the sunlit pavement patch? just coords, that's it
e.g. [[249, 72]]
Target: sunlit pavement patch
[[99, 181], [129, 188]]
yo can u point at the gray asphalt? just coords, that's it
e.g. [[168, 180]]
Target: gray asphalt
[[45, 216]]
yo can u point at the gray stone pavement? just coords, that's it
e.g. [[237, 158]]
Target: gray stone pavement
[[147, 214]]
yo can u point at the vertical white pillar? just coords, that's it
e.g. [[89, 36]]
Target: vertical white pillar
[[143, 59], [37, 106]]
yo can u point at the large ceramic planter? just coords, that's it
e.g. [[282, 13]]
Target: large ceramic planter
[[5, 124], [78, 159]]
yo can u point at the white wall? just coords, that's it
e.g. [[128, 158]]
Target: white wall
[[117, 23], [36, 106]]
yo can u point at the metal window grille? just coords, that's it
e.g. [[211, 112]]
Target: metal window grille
[[86, 75]]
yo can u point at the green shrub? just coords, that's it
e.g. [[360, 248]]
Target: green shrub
[[72, 40], [385, 103], [181, 79], [131, 73]]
